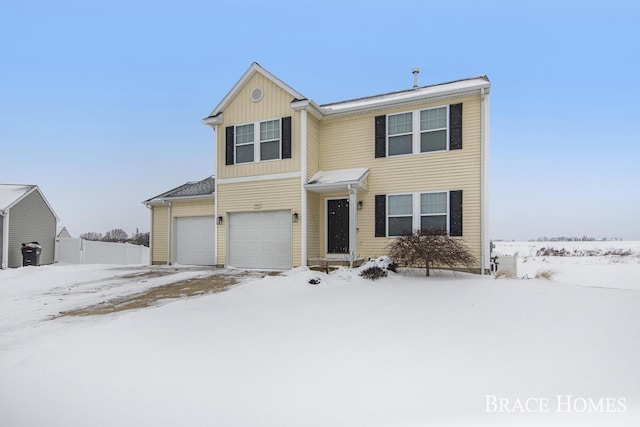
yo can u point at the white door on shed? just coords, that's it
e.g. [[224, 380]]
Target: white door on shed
[[194, 240], [260, 240]]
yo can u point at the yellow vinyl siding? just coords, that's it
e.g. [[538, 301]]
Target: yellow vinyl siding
[[313, 226], [348, 142], [255, 196], [159, 229], [204, 207], [275, 104]]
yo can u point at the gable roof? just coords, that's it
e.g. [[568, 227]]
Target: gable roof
[[12, 194], [360, 105], [253, 69], [190, 190]]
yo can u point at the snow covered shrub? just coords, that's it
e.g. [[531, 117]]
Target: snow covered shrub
[[393, 266], [544, 274], [430, 249], [504, 275], [314, 281], [373, 273]]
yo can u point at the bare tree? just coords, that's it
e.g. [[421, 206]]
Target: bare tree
[[430, 249], [92, 235], [116, 235]]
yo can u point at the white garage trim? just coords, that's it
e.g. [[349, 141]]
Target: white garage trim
[[194, 239], [260, 240]]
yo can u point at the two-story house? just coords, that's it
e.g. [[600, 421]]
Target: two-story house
[[299, 182]]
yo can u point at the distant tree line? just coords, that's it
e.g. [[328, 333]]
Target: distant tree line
[[576, 239], [118, 235]]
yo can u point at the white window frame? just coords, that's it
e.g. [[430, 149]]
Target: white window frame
[[257, 143], [416, 213], [416, 132]]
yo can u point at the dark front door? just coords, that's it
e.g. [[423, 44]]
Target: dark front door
[[338, 226]]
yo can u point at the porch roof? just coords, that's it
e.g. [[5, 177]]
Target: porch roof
[[338, 180]]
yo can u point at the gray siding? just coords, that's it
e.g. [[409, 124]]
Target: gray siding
[[31, 220]]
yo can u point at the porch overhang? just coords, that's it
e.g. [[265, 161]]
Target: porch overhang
[[339, 180]]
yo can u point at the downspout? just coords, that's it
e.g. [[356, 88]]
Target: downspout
[[215, 196], [484, 120], [4, 263], [303, 191], [150, 235]]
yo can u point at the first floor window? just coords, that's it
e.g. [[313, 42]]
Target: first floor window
[[400, 214], [433, 211], [424, 211]]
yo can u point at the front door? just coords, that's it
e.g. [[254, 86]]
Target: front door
[[338, 226]]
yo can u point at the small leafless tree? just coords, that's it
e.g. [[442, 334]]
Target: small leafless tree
[[116, 235], [430, 249], [92, 235]]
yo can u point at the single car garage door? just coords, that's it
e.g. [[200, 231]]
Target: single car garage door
[[260, 240], [194, 237]]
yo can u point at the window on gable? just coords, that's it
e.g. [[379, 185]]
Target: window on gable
[[244, 143], [400, 130], [433, 211], [259, 141], [400, 214], [433, 129], [270, 140]]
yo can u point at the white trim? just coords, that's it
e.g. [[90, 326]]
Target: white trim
[[416, 213], [5, 241], [215, 200], [253, 69], [268, 177], [151, 236], [326, 228], [303, 190], [169, 234], [485, 252], [416, 132], [257, 142], [163, 200]]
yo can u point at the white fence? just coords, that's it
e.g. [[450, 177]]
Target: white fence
[[80, 251]]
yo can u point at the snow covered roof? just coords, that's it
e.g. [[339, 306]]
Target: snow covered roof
[[421, 94], [10, 194], [189, 190], [338, 180]]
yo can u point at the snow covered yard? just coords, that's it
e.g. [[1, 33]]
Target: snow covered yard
[[450, 350]]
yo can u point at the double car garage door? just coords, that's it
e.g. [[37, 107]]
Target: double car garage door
[[260, 240]]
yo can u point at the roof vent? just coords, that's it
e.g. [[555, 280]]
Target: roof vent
[[257, 94], [415, 71]]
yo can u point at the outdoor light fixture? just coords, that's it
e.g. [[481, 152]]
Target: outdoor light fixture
[[360, 205], [219, 221], [295, 217]]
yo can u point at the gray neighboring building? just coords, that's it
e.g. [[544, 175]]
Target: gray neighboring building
[[25, 216]]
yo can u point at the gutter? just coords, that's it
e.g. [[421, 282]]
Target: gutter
[[4, 262]]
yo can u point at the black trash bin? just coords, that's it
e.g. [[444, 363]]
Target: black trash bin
[[31, 253]]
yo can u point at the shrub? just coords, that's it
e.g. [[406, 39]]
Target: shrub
[[393, 266], [504, 275], [314, 281], [373, 273], [430, 248], [544, 274]]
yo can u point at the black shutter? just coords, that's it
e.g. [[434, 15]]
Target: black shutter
[[381, 136], [230, 145], [381, 215], [455, 213], [286, 137], [455, 126]]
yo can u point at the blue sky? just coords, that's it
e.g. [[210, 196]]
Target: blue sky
[[101, 102]]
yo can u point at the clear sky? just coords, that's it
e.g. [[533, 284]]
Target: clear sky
[[101, 102]]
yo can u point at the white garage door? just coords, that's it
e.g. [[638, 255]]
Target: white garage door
[[194, 237], [260, 240]]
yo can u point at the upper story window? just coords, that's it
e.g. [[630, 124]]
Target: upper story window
[[258, 142], [419, 131], [267, 134]]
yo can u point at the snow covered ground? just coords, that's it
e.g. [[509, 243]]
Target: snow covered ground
[[449, 350]]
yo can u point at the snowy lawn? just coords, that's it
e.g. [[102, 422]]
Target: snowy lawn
[[449, 350]]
